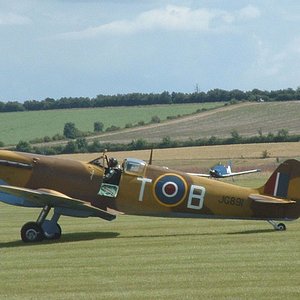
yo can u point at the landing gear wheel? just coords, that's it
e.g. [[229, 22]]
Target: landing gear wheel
[[52, 231], [280, 227], [32, 232]]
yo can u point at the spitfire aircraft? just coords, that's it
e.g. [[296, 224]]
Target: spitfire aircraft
[[101, 188]]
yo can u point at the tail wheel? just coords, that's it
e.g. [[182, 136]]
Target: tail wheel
[[32, 232], [281, 227], [278, 227]]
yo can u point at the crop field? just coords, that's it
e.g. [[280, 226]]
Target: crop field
[[18, 126], [156, 258], [247, 119]]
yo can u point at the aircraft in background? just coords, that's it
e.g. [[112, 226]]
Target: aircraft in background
[[221, 171], [101, 188]]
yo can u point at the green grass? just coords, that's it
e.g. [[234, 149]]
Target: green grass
[[149, 258], [18, 126]]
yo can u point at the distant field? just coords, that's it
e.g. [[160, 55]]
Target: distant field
[[247, 119], [18, 126]]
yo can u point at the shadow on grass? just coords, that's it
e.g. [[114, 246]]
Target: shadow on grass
[[66, 238], [217, 233], [169, 235], [89, 236], [253, 231]]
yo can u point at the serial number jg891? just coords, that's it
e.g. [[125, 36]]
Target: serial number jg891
[[231, 201]]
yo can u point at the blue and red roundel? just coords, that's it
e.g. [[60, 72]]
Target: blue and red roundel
[[169, 189]]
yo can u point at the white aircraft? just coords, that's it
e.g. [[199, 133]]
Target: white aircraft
[[222, 171]]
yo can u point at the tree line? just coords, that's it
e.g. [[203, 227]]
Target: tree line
[[81, 145], [133, 99]]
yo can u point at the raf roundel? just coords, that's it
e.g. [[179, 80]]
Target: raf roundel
[[170, 189]]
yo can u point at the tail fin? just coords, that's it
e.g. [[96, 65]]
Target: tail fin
[[228, 169], [284, 182]]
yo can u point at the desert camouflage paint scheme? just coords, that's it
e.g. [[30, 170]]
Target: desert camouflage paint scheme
[[79, 189]]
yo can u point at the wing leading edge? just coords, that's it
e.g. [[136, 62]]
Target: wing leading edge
[[40, 198], [238, 173]]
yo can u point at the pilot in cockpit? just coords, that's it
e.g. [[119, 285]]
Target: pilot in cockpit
[[113, 172]]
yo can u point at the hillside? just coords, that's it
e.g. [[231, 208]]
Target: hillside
[[247, 118], [28, 125]]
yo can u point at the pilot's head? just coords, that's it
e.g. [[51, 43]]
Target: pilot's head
[[112, 163]]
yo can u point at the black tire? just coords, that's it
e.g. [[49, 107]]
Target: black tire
[[54, 236], [281, 227], [31, 232]]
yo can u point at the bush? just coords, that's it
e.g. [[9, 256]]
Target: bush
[[98, 126], [95, 147], [138, 144], [70, 131], [71, 147], [46, 151], [58, 137], [265, 154], [82, 145], [47, 139], [112, 128], [23, 147], [155, 119], [171, 117]]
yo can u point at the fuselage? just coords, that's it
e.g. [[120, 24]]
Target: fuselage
[[73, 178], [143, 189]]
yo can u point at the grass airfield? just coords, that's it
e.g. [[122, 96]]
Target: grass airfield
[[157, 258], [151, 258]]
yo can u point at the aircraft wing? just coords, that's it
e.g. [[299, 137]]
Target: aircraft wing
[[40, 198], [238, 173], [224, 175]]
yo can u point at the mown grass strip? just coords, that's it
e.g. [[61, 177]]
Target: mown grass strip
[[143, 257]]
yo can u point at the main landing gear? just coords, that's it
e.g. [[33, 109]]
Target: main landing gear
[[277, 226], [42, 229]]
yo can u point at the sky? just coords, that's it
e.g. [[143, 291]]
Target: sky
[[77, 48]]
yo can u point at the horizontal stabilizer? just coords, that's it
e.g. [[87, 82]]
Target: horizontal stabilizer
[[268, 199], [40, 198]]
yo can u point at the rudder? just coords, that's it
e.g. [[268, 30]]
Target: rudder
[[284, 182]]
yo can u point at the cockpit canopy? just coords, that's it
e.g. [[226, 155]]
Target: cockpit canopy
[[131, 166], [134, 166]]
